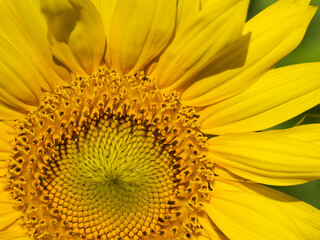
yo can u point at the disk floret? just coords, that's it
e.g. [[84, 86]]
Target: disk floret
[[110, 157]]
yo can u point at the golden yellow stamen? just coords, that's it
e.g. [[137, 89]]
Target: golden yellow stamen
[[110, 157]]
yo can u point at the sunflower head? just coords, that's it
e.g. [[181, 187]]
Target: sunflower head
[[141, 119], [109, 156]]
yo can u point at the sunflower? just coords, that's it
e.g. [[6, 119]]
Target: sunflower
[[135, 119]]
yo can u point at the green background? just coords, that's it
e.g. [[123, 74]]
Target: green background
[[307, 51]]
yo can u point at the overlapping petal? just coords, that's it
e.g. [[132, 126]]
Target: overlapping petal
[[105, 8], [197, 43], [75, 33], [140, 30], [187, 9], [224, 173], [23, 26], [277, 96], [267, 157], [211, 229], [275, 32], [309, 133], [8, 215], [305, 217], [258, 218], [6, 137], [14, 232], [18, 94]]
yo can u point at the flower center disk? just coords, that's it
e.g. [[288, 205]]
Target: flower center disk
[[109, 157]]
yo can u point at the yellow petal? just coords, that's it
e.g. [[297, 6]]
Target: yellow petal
[[4, 161], [8, 215], [6, 136], [23, 25], [208, 3], [203, 238], [309, 133], [4, 146], [276, 31], [20, 89], [267, 158], [140, 30], [7, 113], [8, 218], [106, 9], [244, 215], [224, 173], [211, 229], [231, 57], [7, 127], [14, 232], [5, 153], [76, 34], [277, 96], [198, 41], [304, 215], [186, 9]]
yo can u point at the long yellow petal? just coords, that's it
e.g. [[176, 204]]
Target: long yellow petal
[[267, 158], [76, 34], [244, 215], [224, 173], [186, 9], [6, 136], [8, 113], [23, 25], [8, 215], [212, 230], [140, 30], [8, 218], [275, 32], [20, 89], [106, 9], [278, 95], [309, 133], [203, 238], [4, 146], [304, 215], [197, 43], [14, 232]]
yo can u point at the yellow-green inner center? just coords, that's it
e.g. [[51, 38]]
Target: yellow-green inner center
[[115, 170]]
